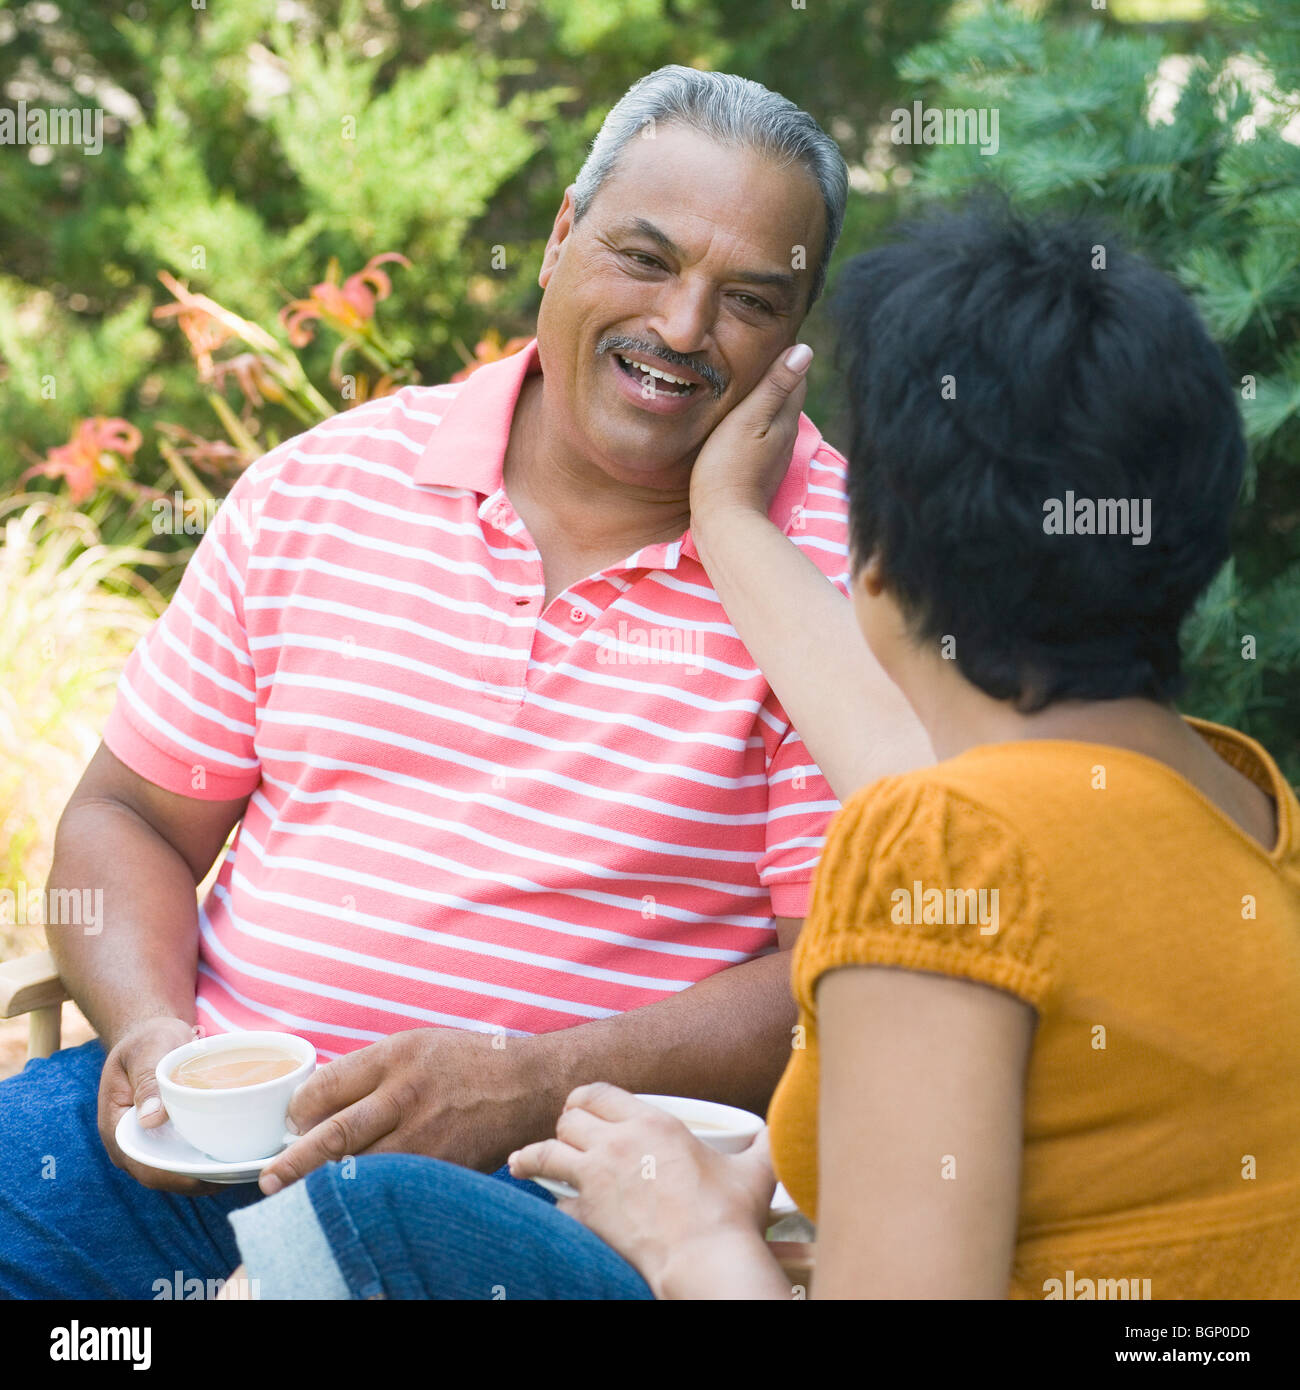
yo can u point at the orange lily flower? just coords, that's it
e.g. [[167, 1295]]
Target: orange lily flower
[[213, 456], [90, 456], [347, 307], [208, 326], [254, 374], [490, 349]]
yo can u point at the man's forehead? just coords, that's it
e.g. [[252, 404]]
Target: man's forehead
[[679, 167], [677, 201]]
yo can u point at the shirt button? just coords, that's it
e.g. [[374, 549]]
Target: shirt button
[[577, 615]]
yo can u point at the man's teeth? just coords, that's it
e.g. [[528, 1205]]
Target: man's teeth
[[663, 376]]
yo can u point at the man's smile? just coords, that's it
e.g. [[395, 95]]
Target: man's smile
[[672, 385], [656, 389], [659, 383]]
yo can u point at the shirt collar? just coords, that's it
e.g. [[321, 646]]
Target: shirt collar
[[468, 448]]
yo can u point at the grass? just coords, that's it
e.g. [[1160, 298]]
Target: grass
[[71, 609]]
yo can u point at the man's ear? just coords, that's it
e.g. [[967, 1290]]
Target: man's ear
[[563, 225]]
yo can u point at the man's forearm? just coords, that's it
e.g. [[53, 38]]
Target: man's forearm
[[141, 957], [726, 1039]]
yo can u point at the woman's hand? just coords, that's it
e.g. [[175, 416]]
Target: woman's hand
[[689, 1218], [741, 464]]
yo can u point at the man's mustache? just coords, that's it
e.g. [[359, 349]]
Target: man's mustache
[[667, 357]]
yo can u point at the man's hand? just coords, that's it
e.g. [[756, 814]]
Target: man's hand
[[127, 1080], [435, 1091], [742, 462]]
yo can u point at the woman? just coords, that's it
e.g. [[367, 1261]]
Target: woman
[[1049, 988]]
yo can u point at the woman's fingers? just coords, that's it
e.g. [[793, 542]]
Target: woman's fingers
[[550, 1158], [353, 1130], [579, 1128], [755, 1163], [760, 1149], [607, 1101], [780, 394]]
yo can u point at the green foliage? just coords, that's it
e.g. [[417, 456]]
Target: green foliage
[[93, 366], [1209, 188]]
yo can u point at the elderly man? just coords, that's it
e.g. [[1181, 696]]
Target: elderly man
[[515, 808]]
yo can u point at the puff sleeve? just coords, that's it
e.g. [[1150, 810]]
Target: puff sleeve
[[919, 876]]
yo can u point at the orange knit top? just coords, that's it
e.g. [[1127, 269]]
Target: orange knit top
[[1159, 944]]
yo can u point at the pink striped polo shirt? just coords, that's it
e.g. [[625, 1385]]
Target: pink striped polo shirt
[[465, 812]]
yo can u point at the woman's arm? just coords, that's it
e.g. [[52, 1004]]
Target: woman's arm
[[798, 627], [920, 1133], [804, 636]]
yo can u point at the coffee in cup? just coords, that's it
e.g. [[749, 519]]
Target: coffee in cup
[[237, 1066], [726, 1128]]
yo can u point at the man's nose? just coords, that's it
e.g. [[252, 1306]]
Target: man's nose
[[683, 318]]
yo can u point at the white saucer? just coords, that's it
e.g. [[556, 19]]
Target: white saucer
[[164, 1148], [782, 1204]]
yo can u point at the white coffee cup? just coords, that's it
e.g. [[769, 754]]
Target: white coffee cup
[[239, 1124], [723, 1127]]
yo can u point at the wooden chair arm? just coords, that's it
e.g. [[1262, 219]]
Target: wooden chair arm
[[31, 985], [30, 982]]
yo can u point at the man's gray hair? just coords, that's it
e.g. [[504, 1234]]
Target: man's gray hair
[[734, 111]]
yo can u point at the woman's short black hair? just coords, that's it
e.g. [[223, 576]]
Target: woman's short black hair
[[1002, 375]]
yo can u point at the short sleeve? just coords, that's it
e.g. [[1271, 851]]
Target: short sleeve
[[800, 805], [185, 712], [918, 876]]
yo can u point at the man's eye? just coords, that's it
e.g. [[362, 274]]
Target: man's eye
[[761, 305], [642, 258]]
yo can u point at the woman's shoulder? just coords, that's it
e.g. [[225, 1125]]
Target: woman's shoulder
[[920, 873], [1075, 798], [935, 819], [1051, 793], [982, 788]]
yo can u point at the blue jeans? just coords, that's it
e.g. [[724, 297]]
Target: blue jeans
[[74, 1226], [408, 1227]]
